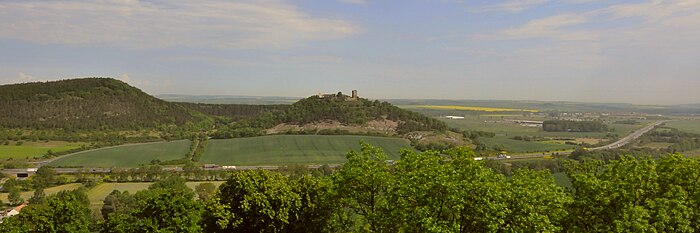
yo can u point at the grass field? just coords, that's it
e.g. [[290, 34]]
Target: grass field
[[127, 155], [47, 191], [99, 192], [294, 149], [691, 126], [34, 149], [471, 108]]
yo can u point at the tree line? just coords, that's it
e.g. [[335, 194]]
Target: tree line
[[574, 126], [432, 191]]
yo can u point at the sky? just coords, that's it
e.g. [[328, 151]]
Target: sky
[[642, 52]]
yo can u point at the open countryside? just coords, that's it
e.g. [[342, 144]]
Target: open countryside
[[349, 116], [294, 149], [481, 109]]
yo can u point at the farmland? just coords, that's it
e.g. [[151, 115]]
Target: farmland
[[126, 155], [34, 149], [471, 108], [691, 126], [294, 149]]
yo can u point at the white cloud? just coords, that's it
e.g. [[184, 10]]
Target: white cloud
[[23, 78], [515, 5], [134, 82], [140, 24], [554, 27], [355, 1]]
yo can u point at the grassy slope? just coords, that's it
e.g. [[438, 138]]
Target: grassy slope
[[293, 149], [98, 193], [128, 155], [34, 149]]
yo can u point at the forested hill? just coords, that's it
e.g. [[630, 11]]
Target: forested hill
[[86, 103], [336, 108], [358, 111]]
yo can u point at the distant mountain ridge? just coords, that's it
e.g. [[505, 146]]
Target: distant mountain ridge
[[106, 103], [86, 103]]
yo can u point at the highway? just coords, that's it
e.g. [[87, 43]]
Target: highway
[[617, 144], [630, 137]]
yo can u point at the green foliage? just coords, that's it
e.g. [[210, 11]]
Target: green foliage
[[14, 196], [118, 202], [158, 210], [635, 195], [362, 183], [252, 201], [67, 211], [171, 182], [45, 177], [205, 191]]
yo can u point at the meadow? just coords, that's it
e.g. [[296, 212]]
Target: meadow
[[691, 126], [34, 149], [48, 191], [294, 149], [126, 155]]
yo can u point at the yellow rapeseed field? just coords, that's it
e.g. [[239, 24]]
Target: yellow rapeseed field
[[469, 108]]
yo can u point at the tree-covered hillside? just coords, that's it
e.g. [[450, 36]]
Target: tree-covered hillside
[[87, 103], [338, 108]]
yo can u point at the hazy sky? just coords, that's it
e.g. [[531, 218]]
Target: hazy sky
[[578, 50]]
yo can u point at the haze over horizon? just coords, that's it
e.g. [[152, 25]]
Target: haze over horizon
[[641, 52]]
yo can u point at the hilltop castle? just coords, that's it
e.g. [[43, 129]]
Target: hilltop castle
[[353, 97]]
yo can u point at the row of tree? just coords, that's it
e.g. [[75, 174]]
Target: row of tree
[[574, 126], [423, 192]]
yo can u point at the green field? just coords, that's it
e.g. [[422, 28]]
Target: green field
[[691, 126], [34, 149], [126, 155], [294, 149], [47, 191]]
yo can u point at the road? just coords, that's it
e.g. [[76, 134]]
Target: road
[[630, 137], [619, 143]]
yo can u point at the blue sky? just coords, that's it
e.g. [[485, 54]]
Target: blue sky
[[644, 52]]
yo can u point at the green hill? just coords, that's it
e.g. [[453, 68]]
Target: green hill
[[339, 109], [86, 103], [89, 104]]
